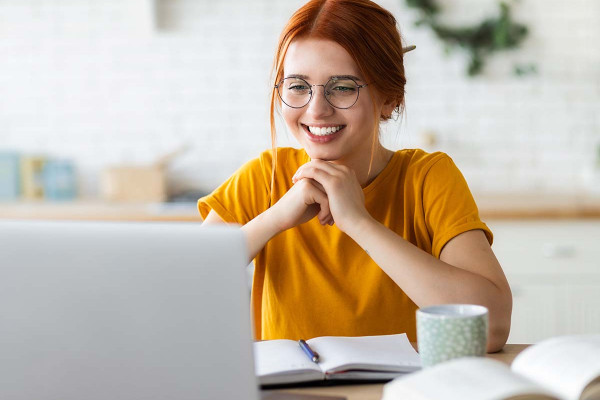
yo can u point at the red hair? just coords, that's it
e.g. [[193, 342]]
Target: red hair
[[366, 31]]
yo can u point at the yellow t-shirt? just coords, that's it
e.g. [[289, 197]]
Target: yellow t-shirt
[[314, 280]]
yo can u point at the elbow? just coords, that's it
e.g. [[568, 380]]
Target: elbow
[[497, 338], [499, 324]]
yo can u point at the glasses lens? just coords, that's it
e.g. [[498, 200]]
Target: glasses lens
[[294, 92], [341, 93]]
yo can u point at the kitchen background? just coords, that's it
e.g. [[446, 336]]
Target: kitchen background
[[87, 86], [115, 82]]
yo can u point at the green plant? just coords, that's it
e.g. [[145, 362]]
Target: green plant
[[481, 40]]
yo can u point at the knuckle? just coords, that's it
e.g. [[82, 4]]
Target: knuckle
[[313, 169], [303, 183]]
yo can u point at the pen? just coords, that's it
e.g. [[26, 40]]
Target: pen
[[408, 48], [313, 355]]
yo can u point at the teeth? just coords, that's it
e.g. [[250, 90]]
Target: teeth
[[324, 131]]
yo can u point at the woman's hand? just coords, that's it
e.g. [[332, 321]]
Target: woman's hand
[[343, 192], [305, 200]]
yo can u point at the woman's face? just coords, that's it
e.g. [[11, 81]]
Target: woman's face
[[317, 60]]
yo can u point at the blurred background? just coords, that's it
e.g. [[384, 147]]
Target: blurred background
[[132, 109], [120, 82]]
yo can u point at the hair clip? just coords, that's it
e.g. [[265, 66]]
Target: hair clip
[[408, 48]]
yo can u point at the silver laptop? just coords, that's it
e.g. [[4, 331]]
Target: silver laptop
[[111, 311]]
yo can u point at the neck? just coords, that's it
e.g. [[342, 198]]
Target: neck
[[365, 170]]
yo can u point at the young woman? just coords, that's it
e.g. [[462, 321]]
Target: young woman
[[350, 238]]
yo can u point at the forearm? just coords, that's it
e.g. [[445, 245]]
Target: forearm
[[258, 232], [428, 280]]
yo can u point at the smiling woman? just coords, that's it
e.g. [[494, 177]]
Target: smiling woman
[[350, 238], [349, 117]]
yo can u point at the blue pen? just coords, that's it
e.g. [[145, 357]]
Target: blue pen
[[313, 355]]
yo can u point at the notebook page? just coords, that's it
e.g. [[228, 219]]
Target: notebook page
[[565, 364], [383, 353], [281, 357], [465, 378]]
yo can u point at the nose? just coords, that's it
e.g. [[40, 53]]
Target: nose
[[318, 105]]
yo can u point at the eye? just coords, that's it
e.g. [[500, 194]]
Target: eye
[[341, 87], [298, 86], [344, 88]]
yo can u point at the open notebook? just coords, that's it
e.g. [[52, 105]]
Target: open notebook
[[368, 358]]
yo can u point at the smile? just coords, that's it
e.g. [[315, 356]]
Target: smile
[[322, 130]]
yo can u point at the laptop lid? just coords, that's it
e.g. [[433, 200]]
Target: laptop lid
[[97, 310]]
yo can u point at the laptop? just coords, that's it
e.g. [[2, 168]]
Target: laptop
[[115, 311]]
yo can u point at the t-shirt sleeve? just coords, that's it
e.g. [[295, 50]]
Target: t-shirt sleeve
[[449, 205], [243, 196]]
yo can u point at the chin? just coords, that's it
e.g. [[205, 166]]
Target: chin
[[320, 155]]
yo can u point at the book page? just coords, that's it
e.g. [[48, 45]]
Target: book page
[[273, 358], [565, 364], [379, 353], [473, 378]]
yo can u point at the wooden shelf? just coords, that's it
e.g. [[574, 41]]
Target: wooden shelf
[[491, 206], [538, 206], [96, 210]]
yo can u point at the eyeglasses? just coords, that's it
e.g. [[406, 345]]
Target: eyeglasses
[[340, 92]]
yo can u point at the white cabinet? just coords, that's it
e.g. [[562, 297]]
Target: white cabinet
[[583, 316], [553, 267]]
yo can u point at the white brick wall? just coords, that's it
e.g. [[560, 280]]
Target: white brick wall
[[103, 82]]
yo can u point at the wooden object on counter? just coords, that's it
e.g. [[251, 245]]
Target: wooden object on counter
[[134, 184], [128, 183]]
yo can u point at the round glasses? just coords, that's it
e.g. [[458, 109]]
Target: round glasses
[[340, 92]]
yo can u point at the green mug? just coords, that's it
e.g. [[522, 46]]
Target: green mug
[[450, 331]]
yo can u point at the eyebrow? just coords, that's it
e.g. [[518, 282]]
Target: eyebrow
[[305, 77]]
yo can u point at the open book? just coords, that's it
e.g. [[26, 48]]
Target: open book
[[564, 368], [375, 358]]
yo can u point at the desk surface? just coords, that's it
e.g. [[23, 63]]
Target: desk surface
[[375, 391]]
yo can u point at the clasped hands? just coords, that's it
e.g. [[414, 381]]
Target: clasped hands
[[331, 192]]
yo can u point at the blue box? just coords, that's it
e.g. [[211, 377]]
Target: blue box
[[10, 176], [59, 180]]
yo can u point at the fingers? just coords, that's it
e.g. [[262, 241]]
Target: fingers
[[314, 194], [324, 215], [346, 200], [325, 173], [327, 166], [314, 165]]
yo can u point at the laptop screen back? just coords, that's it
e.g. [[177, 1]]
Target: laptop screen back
[[95, 310]]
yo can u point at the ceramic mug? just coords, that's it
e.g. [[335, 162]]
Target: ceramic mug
[[450, 331]]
